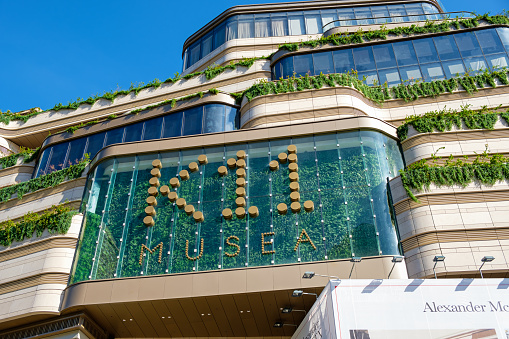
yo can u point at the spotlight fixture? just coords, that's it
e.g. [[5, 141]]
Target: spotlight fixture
[[278, 324], [309, 275], [287, 310], [395, 259], [484, 260], [297, 293], [437, 259]]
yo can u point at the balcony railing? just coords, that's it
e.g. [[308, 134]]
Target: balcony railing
[[395, 19]]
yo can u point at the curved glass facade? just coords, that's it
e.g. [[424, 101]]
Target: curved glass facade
[[300, 23], [426, 59], [208, 118], [343, 174]]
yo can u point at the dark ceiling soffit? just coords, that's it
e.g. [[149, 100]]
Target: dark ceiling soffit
[[287, 6]]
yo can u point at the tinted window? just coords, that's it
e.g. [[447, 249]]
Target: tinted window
[[114, 136], [405, 53], [446, 47], [453, 68], [384, 56], [503, 33], [389, 76], [343, 61], [287, 67], [95, 143], [58, 156], [323, 63], [432, 71], [232, 119], [214, 119], [303, 64], [219, 35], [489, 41], [172, 125], [134, 132], [193, 121], [363, 59], [43, 162], [467, 44], [153, 129], [425, 50]]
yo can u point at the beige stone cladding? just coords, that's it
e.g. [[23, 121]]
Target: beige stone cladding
[[34, 274], [464, 224]]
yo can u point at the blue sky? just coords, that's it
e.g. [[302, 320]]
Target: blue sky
[[56, 51]]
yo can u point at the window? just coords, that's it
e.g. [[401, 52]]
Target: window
[[214, 118], [343, 61], [496, 61], [503, 33], [303, 64], [398, 13], [134, 132], [489, 41], [369, 77], [76, 151], [193, 120], [346, 15], [153, 129], [323, 63], [425, 50], [206, 45], [380, 13], [389, 76], [58, 157], [246, 27], [384, 56], [231, 29], [475, 64], [287, 67], [114, 136], [432, 72], [231, 119], [467, 44], [405, 53], [279, 24], [446, 47], [362, 14], [296, 24], [262, 25], [313, 22], [219, 36], [328, 16], [411, 73], [414, 11], [172, 125], [363, 57], [453, 68], [95, 143]]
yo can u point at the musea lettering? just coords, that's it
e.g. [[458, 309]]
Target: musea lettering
[[466, 308]]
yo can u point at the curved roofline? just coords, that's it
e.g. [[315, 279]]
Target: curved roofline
[[288, 6]]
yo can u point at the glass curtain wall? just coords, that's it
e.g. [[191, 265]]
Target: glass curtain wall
[[428, 59], [343, 174], [303, 22], [208, 118]]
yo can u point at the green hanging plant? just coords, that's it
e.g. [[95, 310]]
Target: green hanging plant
[[57, 220], [27, 154]]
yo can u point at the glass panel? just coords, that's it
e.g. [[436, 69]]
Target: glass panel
[[391, 76], [231, 29], [287, 67], [296, 23], [43, 162], [405, 53], [489, 41], [503, 33], [425, 50], [328, 16], [432, 72], [303, 64], [219, 36], [346, 15], [206, 45], [134, 132], [323, 63], [412, 73], [369, 77], [380, 13], [467, 44], [343, 61], [397, 13], [172, 125], [77, 147], [384, 56], [475, 64], [95, 143], [362, 14], [279, 25], [114, 136], [58, 157], [313, 22], [453, 68], [276, 70], [232, 119], [446, 47], [497, 61], [429, 9], [153, 129], [415, 10], [262, 25], [246, 26], [214, 118], [193, 121], [194, 53], [364, 60]]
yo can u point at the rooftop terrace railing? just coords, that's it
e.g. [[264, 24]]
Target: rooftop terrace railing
[[393, 19]]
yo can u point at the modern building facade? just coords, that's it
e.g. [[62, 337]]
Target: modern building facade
[[193, 207]]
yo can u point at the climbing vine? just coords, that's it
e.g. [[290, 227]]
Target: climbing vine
[[27, 154], [486, 169], [361, 36], [378, 93], [443, 120], [44, 181], [55, 220], [210, 73], [172, 102]]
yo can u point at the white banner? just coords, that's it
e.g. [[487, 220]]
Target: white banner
[[416, 309]]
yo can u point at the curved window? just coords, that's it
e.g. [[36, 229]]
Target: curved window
[[343, 174], [208, 118], [303, 22], [426, 59]]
